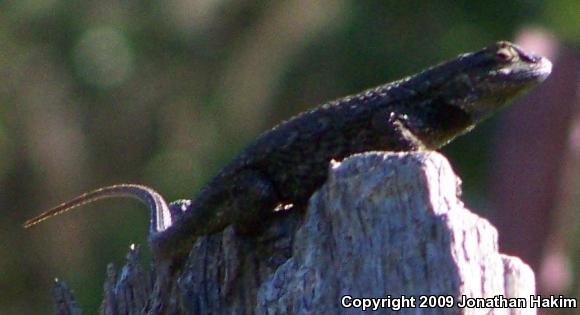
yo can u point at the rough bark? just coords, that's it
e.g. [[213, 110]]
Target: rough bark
[[382, 225]]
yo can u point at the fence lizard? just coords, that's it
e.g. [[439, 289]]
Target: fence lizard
[[286, 164]]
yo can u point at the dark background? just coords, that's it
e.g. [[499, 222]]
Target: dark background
[[164, 93]]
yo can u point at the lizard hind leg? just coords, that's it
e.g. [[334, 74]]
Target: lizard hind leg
[[245, 201], [253, 200]]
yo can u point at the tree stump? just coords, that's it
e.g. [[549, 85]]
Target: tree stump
[[384, 225]]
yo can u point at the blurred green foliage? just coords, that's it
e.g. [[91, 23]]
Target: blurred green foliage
[[165, 92]]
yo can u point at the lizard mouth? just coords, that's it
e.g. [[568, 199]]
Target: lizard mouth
[[543, 69], [535, 72]]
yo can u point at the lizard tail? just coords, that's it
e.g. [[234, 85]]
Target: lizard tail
[[160, 214]]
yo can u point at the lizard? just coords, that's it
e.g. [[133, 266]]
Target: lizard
[[287, 164]]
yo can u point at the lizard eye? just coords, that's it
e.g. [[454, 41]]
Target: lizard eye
[[507, 54]]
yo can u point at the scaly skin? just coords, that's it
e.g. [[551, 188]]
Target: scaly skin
[[286, 164]]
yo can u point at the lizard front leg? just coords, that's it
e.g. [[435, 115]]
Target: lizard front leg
[[397, 136]]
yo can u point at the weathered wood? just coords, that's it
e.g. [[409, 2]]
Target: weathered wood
[[383, 225], [64, 300], [128, 292]]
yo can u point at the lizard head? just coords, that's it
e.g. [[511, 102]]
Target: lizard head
[[498, 74], [454, 96]]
